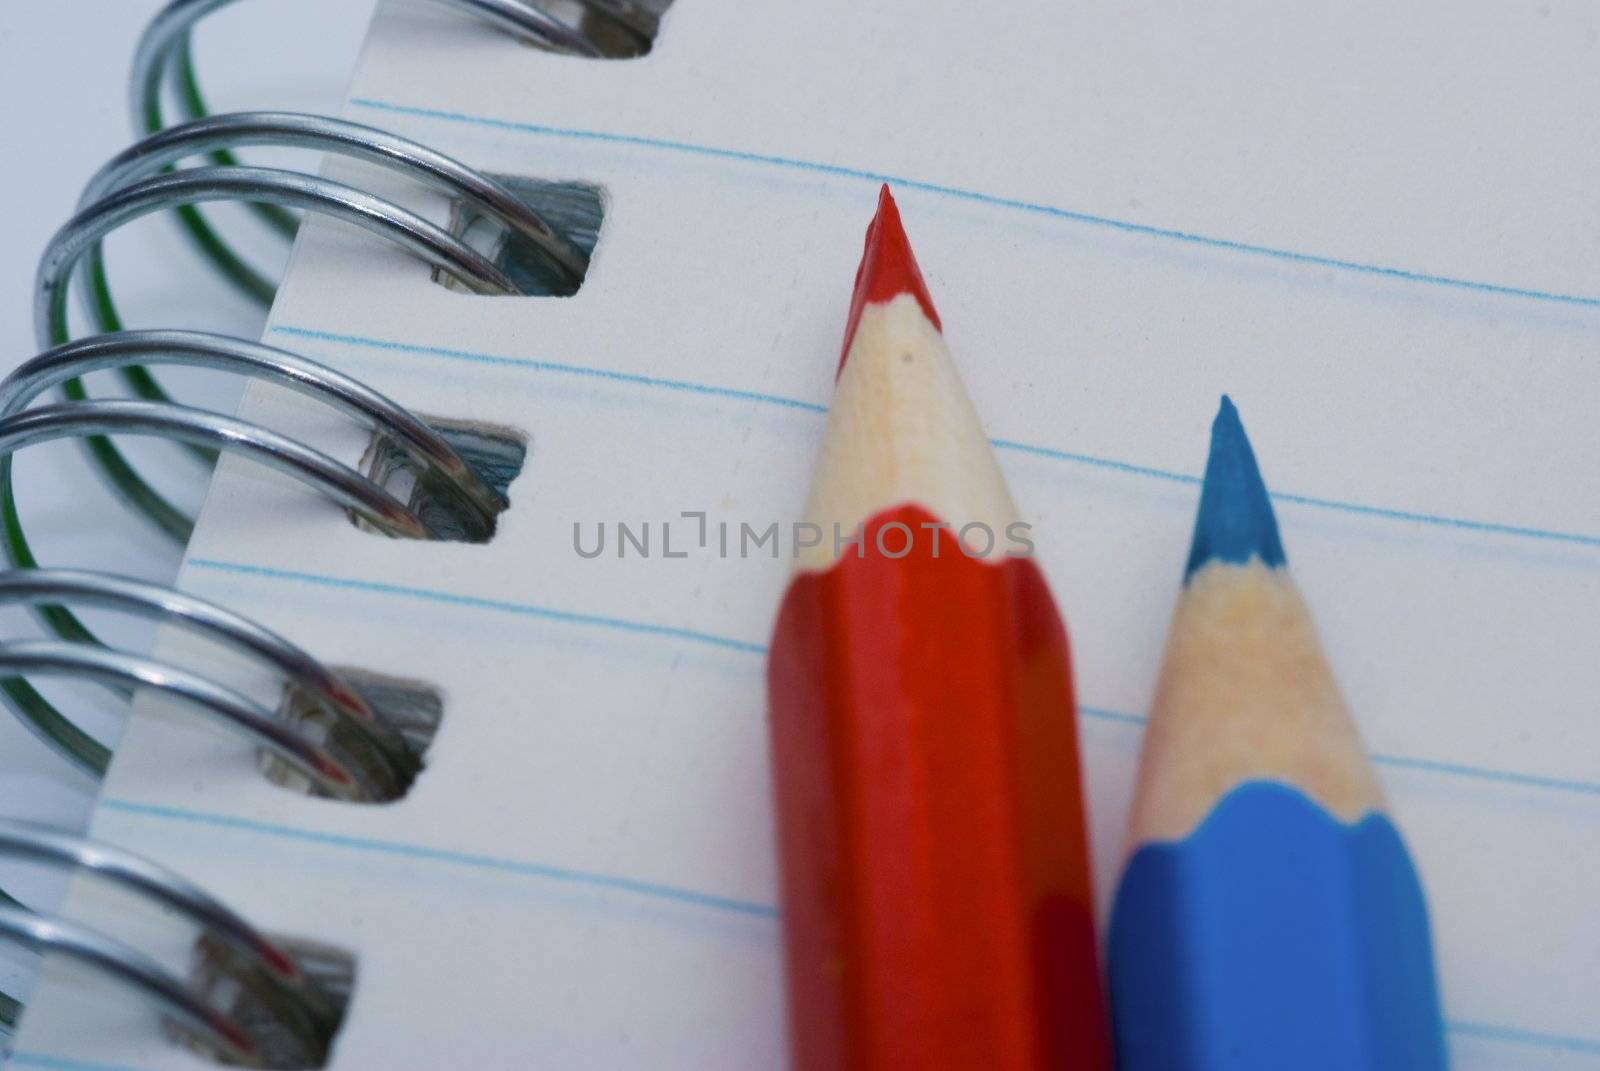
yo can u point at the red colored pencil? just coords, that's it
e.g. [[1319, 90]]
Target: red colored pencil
[[936, 896]]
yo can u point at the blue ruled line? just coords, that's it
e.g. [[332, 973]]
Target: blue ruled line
[[1402, 762], [1480, 773], [1461, 1028], [1513, 1036], [1456, 769], [1111, 464], [1469, 1029], [545, 613], [46, 1062], [977, 197], [556, 366], [517, 867], [1118, 716]]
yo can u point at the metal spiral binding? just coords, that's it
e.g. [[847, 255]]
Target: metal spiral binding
[[134, 184], [262, 1004], [21, 427], [377, 766], [122, 191], [289, 129], [304, 1013], [629, 25], [617, 28]]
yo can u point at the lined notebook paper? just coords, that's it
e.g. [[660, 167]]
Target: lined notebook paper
[[1375, 227]]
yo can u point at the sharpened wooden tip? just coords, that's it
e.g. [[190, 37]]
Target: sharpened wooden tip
[[888, 269], [1235, 522]]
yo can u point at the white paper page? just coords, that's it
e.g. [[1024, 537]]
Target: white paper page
[[1374, 226]]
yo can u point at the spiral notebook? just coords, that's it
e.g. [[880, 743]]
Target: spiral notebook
[[1373, 226]]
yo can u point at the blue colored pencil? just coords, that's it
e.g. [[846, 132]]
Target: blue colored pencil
[[1269, 917]]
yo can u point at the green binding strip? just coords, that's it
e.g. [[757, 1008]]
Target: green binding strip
[[40, 715], [103, 454], [10, 1007], [38, 712], [247, 279], [10, 1011], [26, 701]]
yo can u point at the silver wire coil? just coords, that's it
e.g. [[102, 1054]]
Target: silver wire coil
[[255, 360], [168, 33], [157, 984], [140, 181], [291, 129], [269, 967], [380, 770], [259, 185], [197, 427], [53, 658]]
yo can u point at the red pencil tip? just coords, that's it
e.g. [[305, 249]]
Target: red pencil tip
[[888, 269]]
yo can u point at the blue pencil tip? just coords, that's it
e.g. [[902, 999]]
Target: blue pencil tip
[[1235, 522]]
